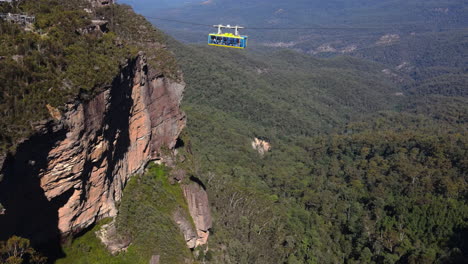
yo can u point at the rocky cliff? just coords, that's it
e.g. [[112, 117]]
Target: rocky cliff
[[73, 170], [199, 208]]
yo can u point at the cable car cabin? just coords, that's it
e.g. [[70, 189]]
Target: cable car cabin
[[227, 40]]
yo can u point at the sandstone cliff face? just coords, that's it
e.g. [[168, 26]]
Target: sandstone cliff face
[[199, 208], [82, 160], [108, 139], [186, 228]]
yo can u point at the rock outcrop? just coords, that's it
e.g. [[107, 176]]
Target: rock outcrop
[[186, 227], [113, 242], [110, 138], [260, 145], [78, 163], [199, 208], [154, 259], [388, 39]]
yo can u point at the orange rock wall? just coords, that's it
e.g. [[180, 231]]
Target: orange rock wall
[[107, 139], [199, 208]]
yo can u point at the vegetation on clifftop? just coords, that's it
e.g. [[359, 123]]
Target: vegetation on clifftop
[[151, 197], [64, 56], [50, 65]]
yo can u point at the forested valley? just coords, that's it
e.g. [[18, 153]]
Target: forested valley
[[368, 160], [362, 169]]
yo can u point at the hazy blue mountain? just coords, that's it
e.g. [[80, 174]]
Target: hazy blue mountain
[[389, 15], [300, 12], [422, 39], [142, 5]]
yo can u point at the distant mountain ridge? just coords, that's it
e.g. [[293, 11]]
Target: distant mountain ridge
[[259, 13], [141, 5], [420, 39]]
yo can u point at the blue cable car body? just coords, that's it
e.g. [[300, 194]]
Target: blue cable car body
[[227, 40]]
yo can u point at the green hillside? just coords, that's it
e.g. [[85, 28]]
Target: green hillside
[[422, 43], [285, 91], [355, 174], [427, 55], [368, 160]]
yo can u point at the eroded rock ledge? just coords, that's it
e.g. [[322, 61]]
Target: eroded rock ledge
[[199, 208], [77, 165]]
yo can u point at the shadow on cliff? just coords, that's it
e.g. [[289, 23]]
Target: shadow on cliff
[[117, 118], [29, 213], [116, 125], [459, 244]]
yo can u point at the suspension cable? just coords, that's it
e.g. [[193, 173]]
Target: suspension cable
[[274, 28], [178, 21]]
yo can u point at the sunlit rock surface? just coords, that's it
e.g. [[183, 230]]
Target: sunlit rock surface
[[77, 164], [199, 208]]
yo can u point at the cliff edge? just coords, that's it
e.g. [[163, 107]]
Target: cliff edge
[[73, 170]]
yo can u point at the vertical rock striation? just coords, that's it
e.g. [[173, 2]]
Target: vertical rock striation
[[98, 144]]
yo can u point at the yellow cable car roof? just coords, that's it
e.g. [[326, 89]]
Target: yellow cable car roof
[[227, 35]]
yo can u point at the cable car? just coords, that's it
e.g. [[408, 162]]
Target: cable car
[[227, 40]]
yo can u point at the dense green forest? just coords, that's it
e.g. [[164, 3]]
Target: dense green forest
[[356, 173], [364, 167]]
